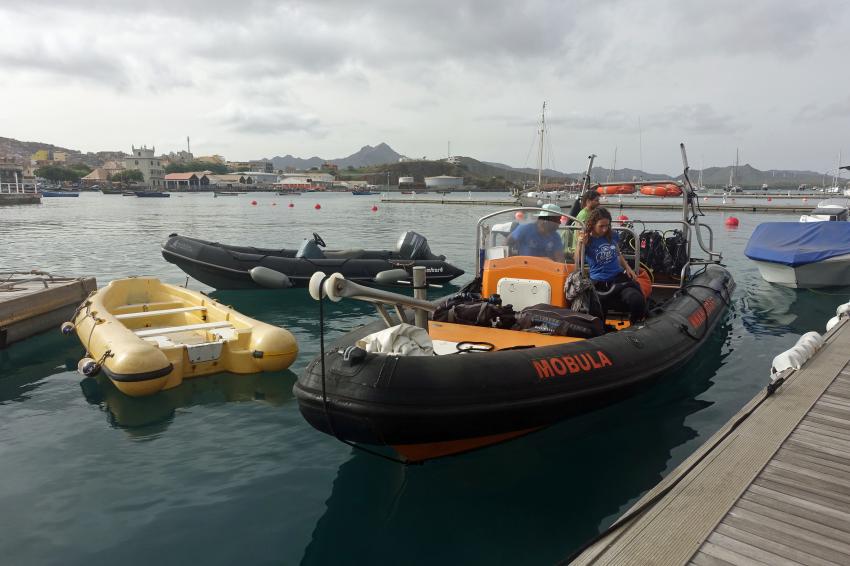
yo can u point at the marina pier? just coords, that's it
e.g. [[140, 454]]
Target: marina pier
[[769, 487]]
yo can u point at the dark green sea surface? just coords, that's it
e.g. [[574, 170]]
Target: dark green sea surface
[[224, 470]]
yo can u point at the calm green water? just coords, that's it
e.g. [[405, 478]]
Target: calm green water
[[224, 469]]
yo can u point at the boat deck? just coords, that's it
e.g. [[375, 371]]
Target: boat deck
[[34, 302], [774, 490]]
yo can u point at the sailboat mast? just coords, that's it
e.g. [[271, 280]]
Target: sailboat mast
[[540, 153], [837, 171], [612, 172]]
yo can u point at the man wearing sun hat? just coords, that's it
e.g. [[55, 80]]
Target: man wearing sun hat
[[540, 238]]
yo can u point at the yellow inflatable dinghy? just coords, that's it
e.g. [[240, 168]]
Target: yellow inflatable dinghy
[[148, 336]]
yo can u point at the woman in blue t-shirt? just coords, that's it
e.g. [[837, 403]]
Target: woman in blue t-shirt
[[608, 267]]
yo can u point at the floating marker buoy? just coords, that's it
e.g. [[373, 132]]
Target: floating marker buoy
[[274, 204], [253, 203], [805, 199], [731, 222], [318, 206], [520, 215], [704, 199], [291, 205], [622, 217], [374, 208], [88, 367], [769, 199]]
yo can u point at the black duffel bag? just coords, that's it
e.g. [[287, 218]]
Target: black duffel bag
[[557, 321], [472, 309]]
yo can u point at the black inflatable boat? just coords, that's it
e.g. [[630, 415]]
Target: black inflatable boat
[[229, 267], [478, 382], [428, 406]]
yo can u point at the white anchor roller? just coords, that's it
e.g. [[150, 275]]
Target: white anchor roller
[[840, 313], [794, 358]]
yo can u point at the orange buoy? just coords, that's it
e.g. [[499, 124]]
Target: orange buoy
[[318, 206], [615, 189], [520, 215], [374, 208], [665, 190], [731, 222], [253, 203]]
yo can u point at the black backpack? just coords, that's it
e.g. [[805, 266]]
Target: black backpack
[[653, 252], [557, 321]]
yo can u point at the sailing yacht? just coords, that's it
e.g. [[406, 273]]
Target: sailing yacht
[[540, 190], [732, 187], [836, 179]]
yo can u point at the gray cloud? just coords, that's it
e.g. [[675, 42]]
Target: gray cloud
[[265, 120]]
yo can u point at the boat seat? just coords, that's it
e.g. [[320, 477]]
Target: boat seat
[[344, 254], [146, 332], [161, 312]]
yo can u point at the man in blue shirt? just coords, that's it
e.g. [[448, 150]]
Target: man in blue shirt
[[540, 238]]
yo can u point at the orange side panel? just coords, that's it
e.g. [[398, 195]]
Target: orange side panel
[[430, 450], [527, 267]]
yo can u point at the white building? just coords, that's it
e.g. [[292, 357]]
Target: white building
[[144, 160]]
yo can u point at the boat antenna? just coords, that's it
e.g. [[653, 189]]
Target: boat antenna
[[585, 185], [692, 200], [540, 152]]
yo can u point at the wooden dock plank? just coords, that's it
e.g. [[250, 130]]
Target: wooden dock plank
[[790, 463], [781, 548], [801, 508], [747, 549]]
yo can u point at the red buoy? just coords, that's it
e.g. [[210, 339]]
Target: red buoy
[[622, 217], [291, 205], [520, 215], [732, 222], [253, 203], [318, 206], [769, 199], [374, 208]]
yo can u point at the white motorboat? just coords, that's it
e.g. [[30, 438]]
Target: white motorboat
[[811, 253]]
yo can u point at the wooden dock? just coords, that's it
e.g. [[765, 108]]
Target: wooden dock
[[34, 302], [482, 202], [773, 490], [19, 198]]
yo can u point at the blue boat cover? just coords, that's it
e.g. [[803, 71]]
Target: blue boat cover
[[798, 243]]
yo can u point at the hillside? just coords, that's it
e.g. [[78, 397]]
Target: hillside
[[366, 157], [23, 150]]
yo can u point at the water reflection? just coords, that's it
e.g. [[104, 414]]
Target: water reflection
[[531, 500], [147, 416], [26, 364], [774, 310]]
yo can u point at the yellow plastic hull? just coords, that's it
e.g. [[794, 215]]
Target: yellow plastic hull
[[150, 336]]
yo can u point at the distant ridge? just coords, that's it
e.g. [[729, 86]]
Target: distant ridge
[[368, 156]]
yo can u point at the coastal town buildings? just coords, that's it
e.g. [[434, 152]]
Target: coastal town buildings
[[145, 160]]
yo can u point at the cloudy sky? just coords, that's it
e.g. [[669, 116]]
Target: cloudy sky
[[258, 78]]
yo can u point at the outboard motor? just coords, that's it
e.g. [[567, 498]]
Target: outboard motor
[[310, 250], [413, 246]]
